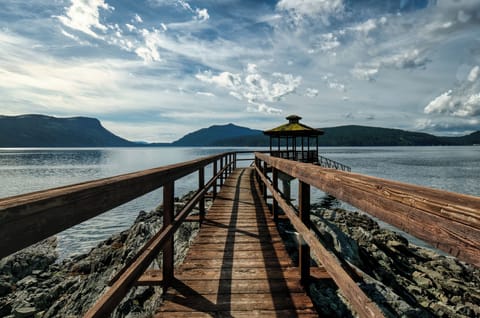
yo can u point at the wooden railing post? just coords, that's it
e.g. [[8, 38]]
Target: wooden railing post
[[275, 187], [201, 184], [234, 160], [168, 216], [228, 164], [215, 183], [223, 173], [264, 186], [304, 249]]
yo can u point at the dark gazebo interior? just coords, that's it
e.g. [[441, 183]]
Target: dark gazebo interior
[[294, 141]]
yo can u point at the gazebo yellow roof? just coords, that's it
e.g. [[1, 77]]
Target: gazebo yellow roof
[[293, 128]]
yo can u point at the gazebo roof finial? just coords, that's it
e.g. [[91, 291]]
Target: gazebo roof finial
[[293, 128], [293, 119]]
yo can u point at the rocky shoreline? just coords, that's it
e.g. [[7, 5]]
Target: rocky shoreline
[[404, 279], [33, 283]]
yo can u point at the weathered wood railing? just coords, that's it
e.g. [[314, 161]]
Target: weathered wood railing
[[449, 221], [30, 218]]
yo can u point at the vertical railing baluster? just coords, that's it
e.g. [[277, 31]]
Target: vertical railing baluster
[[168, 216], [264, 185], [201, 185], [215, 183], [222, 174], [304, 214], [275, 187], [229, 157]]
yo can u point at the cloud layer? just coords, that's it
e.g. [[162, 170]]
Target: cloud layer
[[404, 64]]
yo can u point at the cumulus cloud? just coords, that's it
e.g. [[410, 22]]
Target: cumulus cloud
[[462, 101], [149, 50], [254, 87], [84, 16], [202, 14]]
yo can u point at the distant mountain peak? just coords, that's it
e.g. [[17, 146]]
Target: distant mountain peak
[[33, 130], [212, 135]]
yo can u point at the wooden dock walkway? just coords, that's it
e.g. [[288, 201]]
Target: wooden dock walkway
[[238, 265]]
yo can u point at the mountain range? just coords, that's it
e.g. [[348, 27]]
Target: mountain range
[[47, 131]]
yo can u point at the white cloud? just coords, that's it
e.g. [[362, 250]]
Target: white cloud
[[262, 108], [311, 92], [208, 94], [364, 73], [329, 42], [224, 79], [455, 104], [459, 125], [254, 87], [138, 18], [149, 51], [202, 14], [408, 59], [338, 86], [366, 27], [185, 5], [441, 104], [84, 16], [474, 74], [74, 37], [130, 27], [299, 9]]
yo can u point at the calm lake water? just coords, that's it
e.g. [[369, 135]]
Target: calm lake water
[[454, 169]]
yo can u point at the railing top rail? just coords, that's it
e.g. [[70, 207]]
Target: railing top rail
[[40, 214], [450, 221]]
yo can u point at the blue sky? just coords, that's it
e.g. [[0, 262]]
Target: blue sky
[[154, 70]]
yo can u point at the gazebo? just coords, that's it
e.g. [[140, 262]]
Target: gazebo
[[294, 141]]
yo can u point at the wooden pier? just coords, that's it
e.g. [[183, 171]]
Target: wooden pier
[[238, 265]]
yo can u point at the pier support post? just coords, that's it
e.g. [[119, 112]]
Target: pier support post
[[304, 249], [201, 185], [168, 216]]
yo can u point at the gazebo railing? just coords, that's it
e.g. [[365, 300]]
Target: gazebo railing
[[309, 156], [329, 163]]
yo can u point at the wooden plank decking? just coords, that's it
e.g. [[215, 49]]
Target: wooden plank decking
[[237, 266]]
